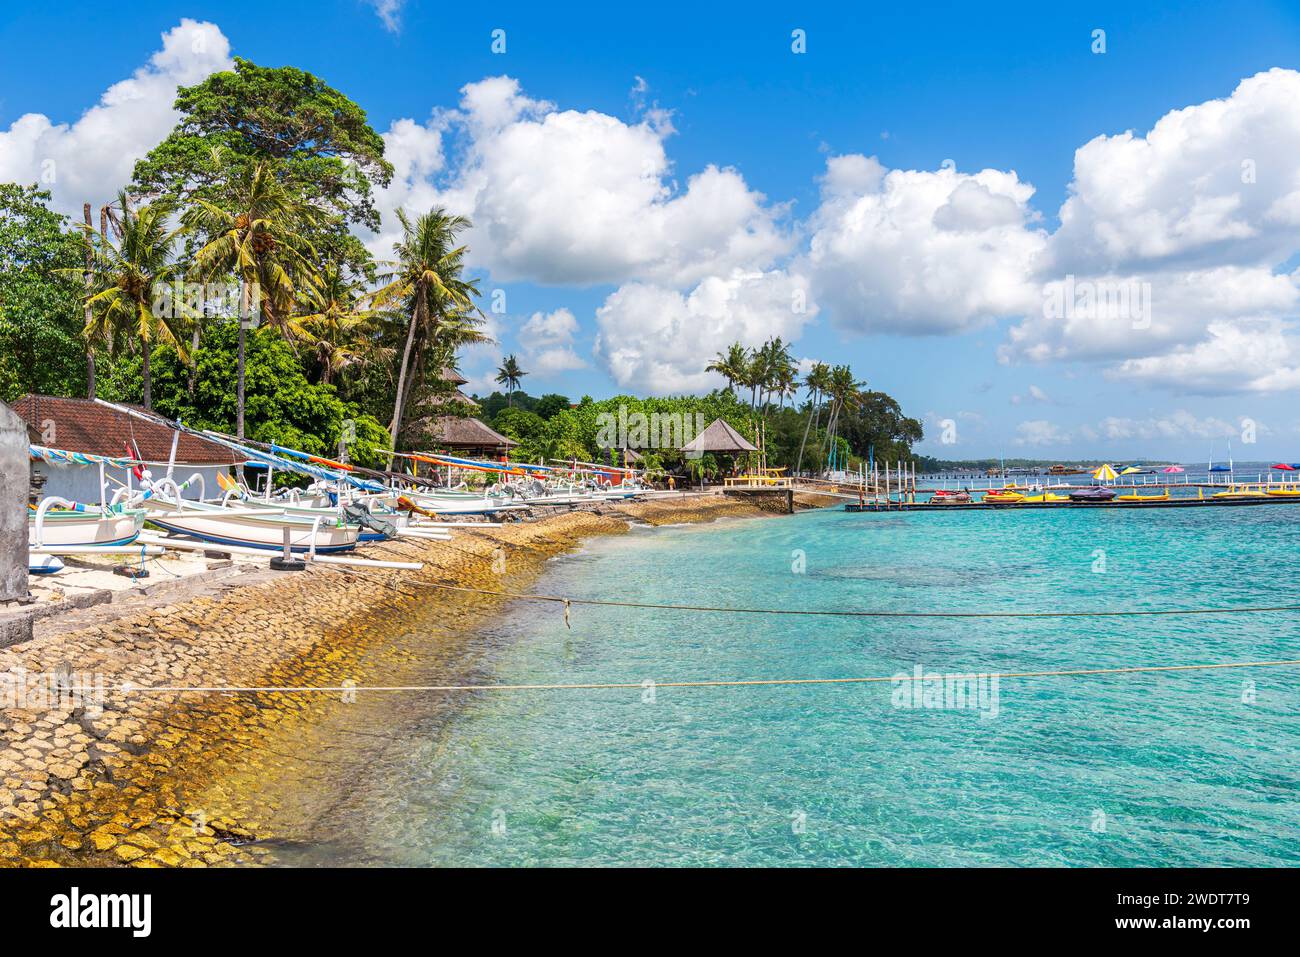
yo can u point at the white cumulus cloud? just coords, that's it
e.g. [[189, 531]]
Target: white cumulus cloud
[[547, 338], [1203, 211], [563, 196], [919, 252], [90, 159], [658, 340]]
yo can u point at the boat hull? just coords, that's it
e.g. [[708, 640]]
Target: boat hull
[[210, 525], [80, 528]]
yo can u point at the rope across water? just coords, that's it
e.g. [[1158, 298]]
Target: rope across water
[[864, 613]]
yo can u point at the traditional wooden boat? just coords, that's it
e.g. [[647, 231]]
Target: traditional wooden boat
[[61, 522], [252, 527], [44, 564]]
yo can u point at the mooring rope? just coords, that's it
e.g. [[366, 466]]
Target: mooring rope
[[859, 613], [720, 683]]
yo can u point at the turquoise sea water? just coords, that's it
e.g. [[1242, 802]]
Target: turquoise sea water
[[1132, 770]]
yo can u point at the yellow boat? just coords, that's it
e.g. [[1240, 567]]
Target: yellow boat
[[1139, 497], [1002, 496], [1234, 491], [1046, 497], [1285, 492]]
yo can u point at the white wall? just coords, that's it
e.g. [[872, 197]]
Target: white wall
[[80, 483]]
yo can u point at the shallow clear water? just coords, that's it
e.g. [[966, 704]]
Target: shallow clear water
[[1147, 769]]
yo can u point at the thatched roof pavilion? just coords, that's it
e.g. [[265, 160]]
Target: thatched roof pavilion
[[460, 435], [719, 437]]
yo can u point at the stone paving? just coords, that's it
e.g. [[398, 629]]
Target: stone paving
[[93, 773]]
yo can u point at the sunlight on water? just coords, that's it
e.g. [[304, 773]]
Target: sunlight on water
[[1168, 769]]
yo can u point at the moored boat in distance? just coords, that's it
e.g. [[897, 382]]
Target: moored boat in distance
[[1038, 498], [1240, 492], [1093, 493], [1003, 496], [1139, 497], [950, 497]]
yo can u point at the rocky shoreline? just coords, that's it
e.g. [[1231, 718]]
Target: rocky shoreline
[[104, 762]]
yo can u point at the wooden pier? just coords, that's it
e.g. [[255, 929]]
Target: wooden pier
[[766, 490]]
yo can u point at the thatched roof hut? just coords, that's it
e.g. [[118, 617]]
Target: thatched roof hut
[[719, 437], [464, 436]]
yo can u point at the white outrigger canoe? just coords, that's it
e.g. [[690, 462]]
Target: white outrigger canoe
[[252, 527], [62, 527], [61, 522]]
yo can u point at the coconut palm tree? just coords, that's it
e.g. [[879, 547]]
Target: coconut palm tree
[[426, 280], [126, 285], [731, 366], [256, 231], [845, 393], [340, 321], [816, 381], [509, 374], [457, 329]]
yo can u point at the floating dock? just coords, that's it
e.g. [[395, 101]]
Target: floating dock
[[1020, 506]]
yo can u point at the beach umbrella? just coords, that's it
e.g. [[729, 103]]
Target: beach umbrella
[[1131, 470], [1104, 473], [1283, 467], [1173, 469]]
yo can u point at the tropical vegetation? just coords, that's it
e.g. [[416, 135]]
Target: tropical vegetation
[[226, 286]]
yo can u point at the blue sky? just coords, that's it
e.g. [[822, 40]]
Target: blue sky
[[1017, 90]]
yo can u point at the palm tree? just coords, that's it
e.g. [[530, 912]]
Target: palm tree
[[817, 381], [340, 322], [509, 375], [257, 232], [124, 281], [427, 282], [457, 328], [772, 371], [785, 375], [732, 366], [845, 393], [752, 377]]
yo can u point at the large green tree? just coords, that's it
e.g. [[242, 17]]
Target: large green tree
[[41, 345], [318, 141], [283, 405]]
